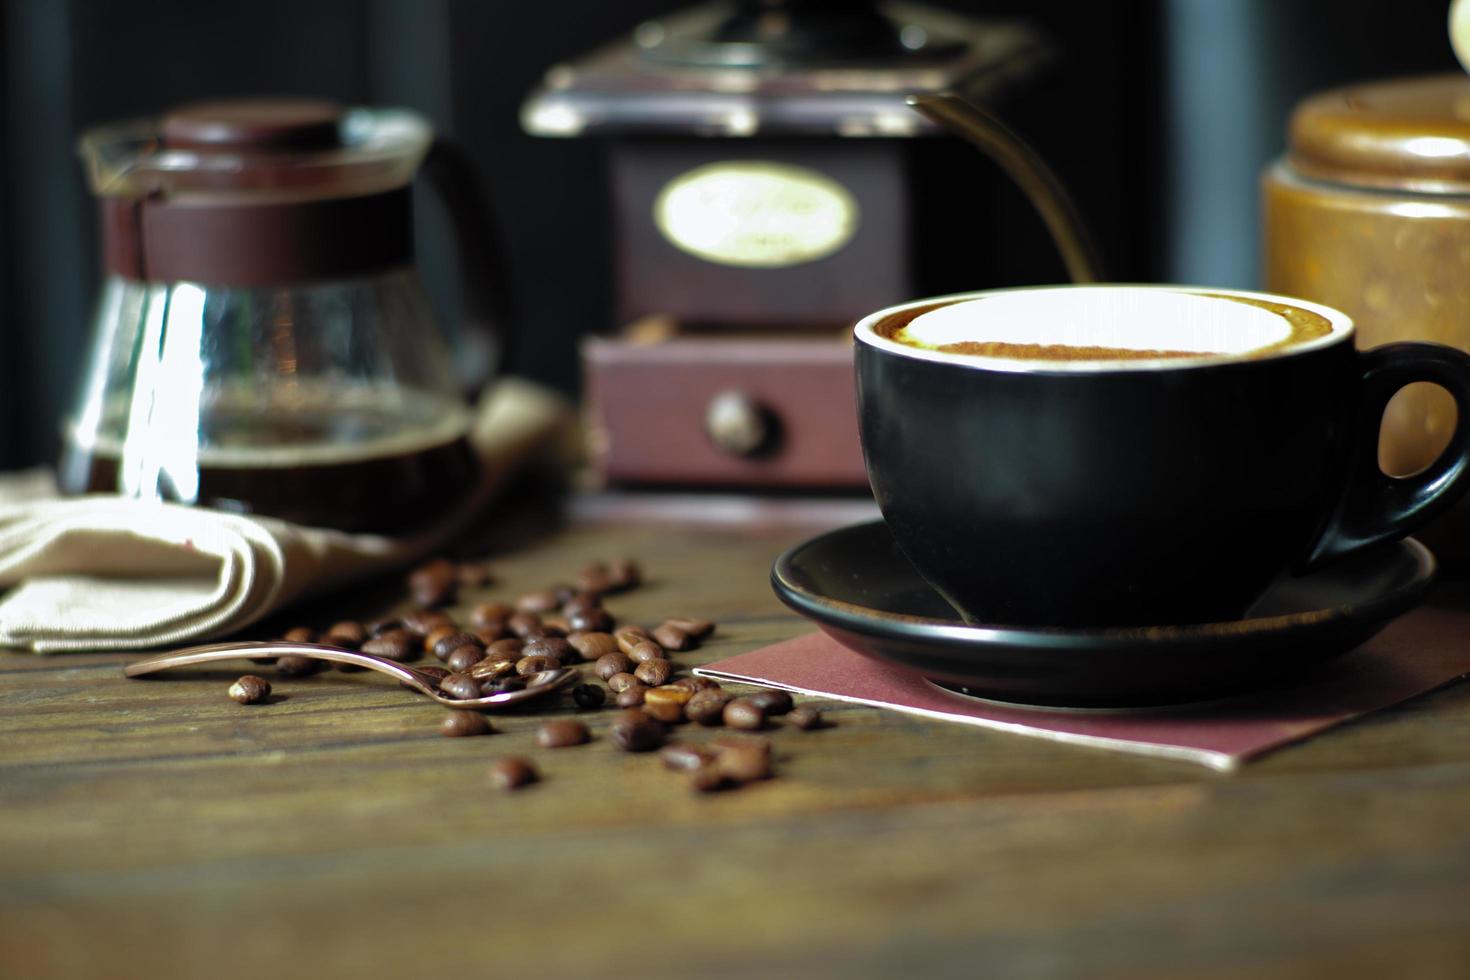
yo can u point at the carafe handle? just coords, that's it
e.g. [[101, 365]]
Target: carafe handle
[[1027, 169], [485, 303]]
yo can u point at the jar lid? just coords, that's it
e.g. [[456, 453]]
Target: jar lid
[[1407, 134]]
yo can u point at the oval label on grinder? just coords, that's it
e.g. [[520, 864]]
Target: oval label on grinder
[[756, 214]]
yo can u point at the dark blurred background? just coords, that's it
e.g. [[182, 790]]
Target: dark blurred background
[[1159, 114]]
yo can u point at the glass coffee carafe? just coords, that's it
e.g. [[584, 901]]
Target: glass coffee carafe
[[263, 342]]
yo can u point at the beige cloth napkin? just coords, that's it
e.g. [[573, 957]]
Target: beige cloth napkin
[[105, 573]]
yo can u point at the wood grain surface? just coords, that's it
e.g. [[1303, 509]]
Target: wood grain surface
[[154, 828]]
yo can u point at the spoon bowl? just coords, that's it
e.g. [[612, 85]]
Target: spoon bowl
[[537, 684]]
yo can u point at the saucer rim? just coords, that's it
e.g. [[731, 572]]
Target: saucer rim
[[852, 616]]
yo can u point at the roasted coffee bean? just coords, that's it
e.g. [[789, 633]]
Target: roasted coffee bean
[[527, 666], [670, 637], [645, 651], [461, 659], [592, 646], [630, 636], [347, 634], [708, 708], [683, 757], [386, 625], [490, 612], [561, 733], [512, 773], [436, 674], [631, 696], [595, 579], [493, 667], [696, 684], [670, 695], [398, 645], [510, 646], [301, 634], [447, 644], [654, 672], [625, 574], [458, 724], [710, 779], [523, 623], [634, 735], [475, 574], [591, 620], [434, 583], [741, 713], [588, 696], [493, 633], [610, 665], [422, 622], [461, 687], [668, 712], [541, 601], [771, 702], [433, 638], [621, 682], [697, 628], [292, 665], [744, 763], [551, 646], [582, 602], [805, 717], [250, 689], [555, 624], [504, 684]]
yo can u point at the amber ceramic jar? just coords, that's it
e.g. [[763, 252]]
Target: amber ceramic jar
[[1369, 212]]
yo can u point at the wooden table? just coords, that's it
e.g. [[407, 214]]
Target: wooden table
[[156, 829]]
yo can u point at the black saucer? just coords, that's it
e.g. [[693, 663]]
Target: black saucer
[[860, 589]]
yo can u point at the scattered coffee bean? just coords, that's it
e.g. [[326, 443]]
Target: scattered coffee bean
[[461, 687], [475, 574], [632, 695], [504, 684], [561, 733], [461, 659], [611, 664], [654, 672], [422, 622], [250, 689], [621, 682], [301, 634], [524, 623], [347, 634], [293, 665], [590, 621], [458, 724], [744, 763], [398, 645], [434, 583], [630, 636], [741, 713], [436, 635], [771, 702], [493, 633], [491, 612], [806, 717], [682, 757], [644, 651], [450, 642], [697, 684], [527, 666], [543, 601], [669, 695], [512, 773], [709, 779], [708, 707], [511, 646], [595, 579], [697, 628], [582, 602], [592, 646], [637, 735], [668, 712], [380, 626], [670, 637], [491, 668], [555, 624], [625, 574], [588, 696], [437, 673], [550, 646]]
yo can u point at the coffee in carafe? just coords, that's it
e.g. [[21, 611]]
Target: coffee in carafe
[[263, 342]]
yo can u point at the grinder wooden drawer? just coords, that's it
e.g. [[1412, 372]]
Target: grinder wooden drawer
[[704, 411]]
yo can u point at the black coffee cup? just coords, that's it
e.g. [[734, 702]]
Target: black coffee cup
[[1043, 486]]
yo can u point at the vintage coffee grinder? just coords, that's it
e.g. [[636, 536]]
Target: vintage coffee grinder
[[776, 175]]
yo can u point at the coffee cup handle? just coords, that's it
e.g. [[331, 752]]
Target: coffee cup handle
[[1376, 507]]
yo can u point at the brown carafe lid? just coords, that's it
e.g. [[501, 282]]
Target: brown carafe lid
[[1408, 134], [254, 124]]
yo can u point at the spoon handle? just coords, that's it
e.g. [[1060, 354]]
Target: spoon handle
[[274, 648]]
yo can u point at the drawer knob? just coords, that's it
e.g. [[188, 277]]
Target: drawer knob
[[739, 425]]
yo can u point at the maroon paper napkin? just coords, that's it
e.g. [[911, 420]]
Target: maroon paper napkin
[[1424, 650]]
